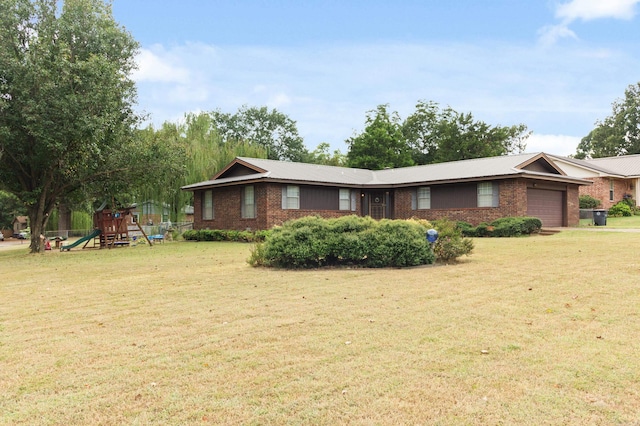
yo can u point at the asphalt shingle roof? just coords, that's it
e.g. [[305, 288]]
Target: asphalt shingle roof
[[491, 167]]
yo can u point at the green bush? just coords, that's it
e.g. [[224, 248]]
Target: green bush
[[313, 242], [588, 202], [503, 227], [620, 209], [224, 235], [450, 244]]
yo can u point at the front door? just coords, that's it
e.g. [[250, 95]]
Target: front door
[[377, 205]]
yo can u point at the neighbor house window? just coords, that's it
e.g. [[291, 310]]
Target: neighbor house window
[[424, 197], [248, 207], [207, 205], [345, 199], [611, 190], [485, 194], [291, 197]]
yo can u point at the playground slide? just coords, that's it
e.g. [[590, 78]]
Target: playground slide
[[68, 247]]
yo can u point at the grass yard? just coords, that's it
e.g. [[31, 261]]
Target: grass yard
[[616, 222], [537, 330]]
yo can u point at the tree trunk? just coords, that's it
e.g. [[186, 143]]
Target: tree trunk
[[37, 229], [38, 219]]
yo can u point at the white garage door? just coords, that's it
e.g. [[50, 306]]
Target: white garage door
[[545, 205]]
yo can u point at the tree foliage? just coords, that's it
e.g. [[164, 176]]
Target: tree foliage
[[191, 151], [271, 129], [439, 135], [619, 133], [10, 207], [65, 102], [430, 135], [322, 155], [381, 144]]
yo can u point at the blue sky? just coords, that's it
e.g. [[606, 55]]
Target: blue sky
[[555, 66]]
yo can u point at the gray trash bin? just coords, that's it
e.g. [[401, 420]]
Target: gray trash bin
[[600, 217]]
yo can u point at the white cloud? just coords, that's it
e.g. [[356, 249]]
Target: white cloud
[[553, 144], [550, 34], [585, 10], [595, 9], [159, 67]]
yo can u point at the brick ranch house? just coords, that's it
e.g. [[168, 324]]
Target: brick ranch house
[[614, 178], [252, 194]]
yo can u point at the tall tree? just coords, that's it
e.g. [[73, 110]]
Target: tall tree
[[437, 136], [619, 133], [191, 151], [66, 102], [273, 130], [381, 144]]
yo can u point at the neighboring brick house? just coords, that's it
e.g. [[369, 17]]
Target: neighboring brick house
[[614, 178], [256, 194]]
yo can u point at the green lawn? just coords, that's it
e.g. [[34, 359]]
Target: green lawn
[[533, 330], [616, 222]]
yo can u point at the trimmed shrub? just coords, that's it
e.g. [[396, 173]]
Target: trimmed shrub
[[224, 235], [504, 227], [397, 243], [588, 202], [620, 209], [312, 242]]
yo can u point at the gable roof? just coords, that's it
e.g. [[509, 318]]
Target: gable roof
[[624, 166], [248, 170]]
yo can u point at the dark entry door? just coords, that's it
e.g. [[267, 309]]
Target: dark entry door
[[377, 205]]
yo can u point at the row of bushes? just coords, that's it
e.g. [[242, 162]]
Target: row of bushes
[[625, 207], [503, 227], [224, 235]]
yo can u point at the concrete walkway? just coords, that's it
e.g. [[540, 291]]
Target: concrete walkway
[[595, 229]]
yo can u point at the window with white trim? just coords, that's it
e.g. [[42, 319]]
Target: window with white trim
[[207, 205], [611, 193], [485, 194], [291, 197], [248, 207], [345, 199], [424, 197]]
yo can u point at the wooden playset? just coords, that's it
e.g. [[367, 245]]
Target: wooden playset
[[111, 229]]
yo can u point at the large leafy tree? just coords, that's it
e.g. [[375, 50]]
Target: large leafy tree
[[439, 135], [619, 133], [381, 144], [271, 129], [65, 103]]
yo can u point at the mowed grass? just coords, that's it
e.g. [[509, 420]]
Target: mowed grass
[[536, 330]]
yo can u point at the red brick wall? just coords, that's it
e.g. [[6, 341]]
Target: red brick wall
[[573, 205], [277, 216], [226, 201], [513, 202], [600, 190], [226, 207]]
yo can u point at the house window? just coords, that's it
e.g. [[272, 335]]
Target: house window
[[345, 199], [424, 197], [611, 190], [248, 207], [207, 205], [485, 194], [291, 197]]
